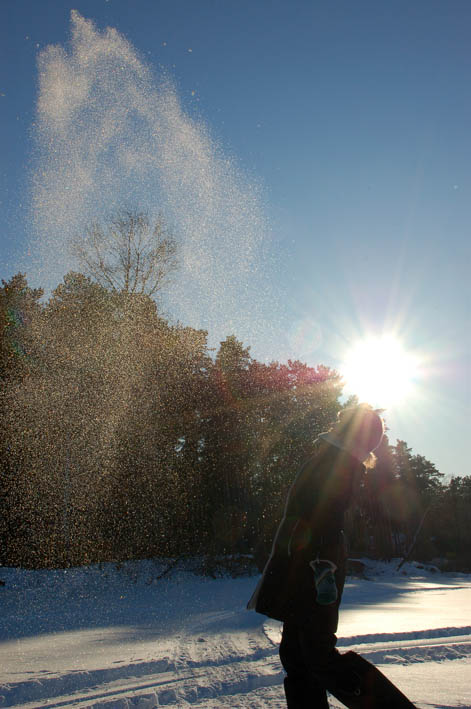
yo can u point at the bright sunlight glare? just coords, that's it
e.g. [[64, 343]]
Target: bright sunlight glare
[[379, 371]]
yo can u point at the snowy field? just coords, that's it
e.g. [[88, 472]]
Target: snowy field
[[98, 637]]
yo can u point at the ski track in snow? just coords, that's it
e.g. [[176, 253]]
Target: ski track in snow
[[433, 645], [214, 669], [218, 656], [218, 667]]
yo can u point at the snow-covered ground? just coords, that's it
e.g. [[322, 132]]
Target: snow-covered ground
[[99, 637]]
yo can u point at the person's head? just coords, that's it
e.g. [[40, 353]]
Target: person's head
[[360, 430]]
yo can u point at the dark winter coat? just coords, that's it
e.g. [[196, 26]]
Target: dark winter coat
[[311, 528]]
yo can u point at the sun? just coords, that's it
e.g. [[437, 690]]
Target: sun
[[379, 371]]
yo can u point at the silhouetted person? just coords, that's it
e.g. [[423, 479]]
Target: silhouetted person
[[303, 580]]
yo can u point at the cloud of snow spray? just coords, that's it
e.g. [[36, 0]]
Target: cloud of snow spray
[[111, 136]]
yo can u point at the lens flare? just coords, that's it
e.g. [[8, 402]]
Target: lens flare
[[380, 371]]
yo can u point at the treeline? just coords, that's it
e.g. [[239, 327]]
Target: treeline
[[124, 437]]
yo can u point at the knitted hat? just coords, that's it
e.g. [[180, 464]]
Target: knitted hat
[[358, 430]]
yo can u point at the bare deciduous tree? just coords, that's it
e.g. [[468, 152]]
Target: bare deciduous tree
[[128, 254]]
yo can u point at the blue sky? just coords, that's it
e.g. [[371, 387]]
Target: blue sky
[[353, 117]]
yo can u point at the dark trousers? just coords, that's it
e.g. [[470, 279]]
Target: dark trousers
[[313, 666], [310, 661], [308, 653]]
